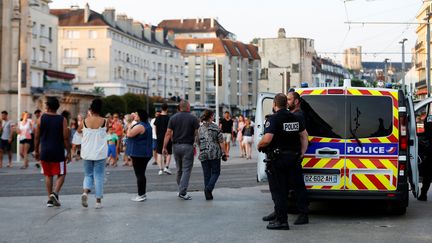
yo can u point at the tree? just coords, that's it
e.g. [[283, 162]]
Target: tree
[[114, 104], [99, 91], [134, 102]]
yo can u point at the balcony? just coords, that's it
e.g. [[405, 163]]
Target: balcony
[[71, 61]]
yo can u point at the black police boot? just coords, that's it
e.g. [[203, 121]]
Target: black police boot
[[423, 195], [278, 225], [208, 195], [270, 217], [302, 219]]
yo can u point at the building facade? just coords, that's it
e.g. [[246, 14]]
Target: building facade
[[327, 73], [286, 62], [204, 42], [118, 54], [420, 57], [352, 58]]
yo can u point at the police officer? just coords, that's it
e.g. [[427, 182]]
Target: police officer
[[285, 140], [426, 166]]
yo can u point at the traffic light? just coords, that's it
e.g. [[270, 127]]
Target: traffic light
[[219, 75]]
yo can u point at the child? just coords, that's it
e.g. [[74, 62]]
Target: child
[[112, 152]]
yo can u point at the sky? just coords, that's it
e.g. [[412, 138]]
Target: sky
[[321, 20]]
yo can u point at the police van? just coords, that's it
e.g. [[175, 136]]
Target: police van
[[362, 143]]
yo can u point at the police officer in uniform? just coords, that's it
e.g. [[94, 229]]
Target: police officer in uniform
[[285, 142], [426, 167]]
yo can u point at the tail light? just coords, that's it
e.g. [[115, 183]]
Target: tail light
[[403, 133]]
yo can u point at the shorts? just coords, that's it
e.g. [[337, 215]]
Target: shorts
[[247, 139], [227, 137], [76, 139], [160, 147], [53, 168], [5, 145], [25, 141], [154, 144], [112, 150]]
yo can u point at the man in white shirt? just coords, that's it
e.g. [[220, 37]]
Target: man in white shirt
[[154, 137], [7, 133]]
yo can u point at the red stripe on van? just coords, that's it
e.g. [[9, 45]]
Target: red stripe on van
[[311, 163], [364, 92], [377, 183], [393, 139], [358, 183]]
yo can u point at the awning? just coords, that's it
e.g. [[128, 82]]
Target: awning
[[58, 74]]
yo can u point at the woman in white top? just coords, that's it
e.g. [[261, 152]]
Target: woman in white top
[[94, 151], [24, 131]]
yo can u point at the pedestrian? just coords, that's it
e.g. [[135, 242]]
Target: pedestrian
[[77, 139], [234, 132], [161, 124], [182, 131], [51, 143], [226, 125], [117, 127], [7, 134], [112, 139], [154, 137], [94, 151], [285, 142], [425, 168], [140, 150], [212, 149], [240, 126], [129, 118], [247, 138], [24, 131]]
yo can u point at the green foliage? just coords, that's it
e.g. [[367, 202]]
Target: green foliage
[[114, 104], [134, 102], [354, 83], [99, 90]]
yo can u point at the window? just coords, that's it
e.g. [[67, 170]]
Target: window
[[92, 34], [324, 113], [50, 57], [91, 72], [41, 55], [72, 34], [50, 34], [42, 30], [197, 86], [72, 71], [68, 52], [34, 54], [197, 97], [34, 29], [91, 53]]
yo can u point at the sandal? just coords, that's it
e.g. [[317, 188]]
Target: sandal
[[9, 166], [23, 167]]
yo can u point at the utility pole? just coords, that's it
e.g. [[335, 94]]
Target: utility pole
[[217, 91], [18, 159], [403, 64], [428, 63], [385, 70]]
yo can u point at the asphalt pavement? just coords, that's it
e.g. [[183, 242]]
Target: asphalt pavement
[[233, 216]]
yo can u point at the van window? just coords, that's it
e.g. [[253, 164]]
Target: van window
[[369, 116], [348, 117], [324, 115]]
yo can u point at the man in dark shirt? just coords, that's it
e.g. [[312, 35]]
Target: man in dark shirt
[[161, 124], [285, 136], [182, 131], [51, 141], [226, 125], [294, 101]]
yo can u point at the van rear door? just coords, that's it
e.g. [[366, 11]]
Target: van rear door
[[264, 107]]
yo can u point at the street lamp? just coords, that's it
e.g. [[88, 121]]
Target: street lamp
[[403, 63], [165, 74], [385, 70]]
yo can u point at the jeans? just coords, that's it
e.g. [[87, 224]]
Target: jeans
[[184, 157], [211, 169], [94, 174], [140, 166]]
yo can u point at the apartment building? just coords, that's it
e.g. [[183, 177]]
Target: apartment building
[[118, 54], [203, 42], [327, 73], [420, 57]]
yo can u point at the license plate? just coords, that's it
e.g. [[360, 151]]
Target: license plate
[[320, 179]]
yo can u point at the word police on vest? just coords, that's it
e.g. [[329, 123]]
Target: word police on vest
[[291, 126]]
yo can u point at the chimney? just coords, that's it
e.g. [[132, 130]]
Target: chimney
[[86, 13], [197, 20], [121, 22], [160, 35], [109, 16], [281, 33], [212, 23], [137, 29], [148, 32], [170, 37], [129, 23]]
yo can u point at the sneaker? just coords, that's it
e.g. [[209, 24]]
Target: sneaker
[[160, 172], [84, 200], [167, 171], [98, 205], [185, 196], [50, 204], [55, 199], [139, 198]]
